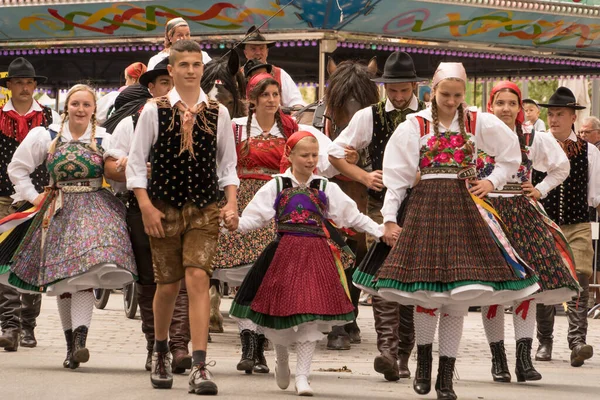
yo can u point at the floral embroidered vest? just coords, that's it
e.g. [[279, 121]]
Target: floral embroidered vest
[[75, 160], [447, 150], [485, 163], [300, 210]]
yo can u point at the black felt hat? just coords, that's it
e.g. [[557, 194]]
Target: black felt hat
[[399, 67], [21, 68], [563, 97], [253, 65], [158, 70], [253, 36]]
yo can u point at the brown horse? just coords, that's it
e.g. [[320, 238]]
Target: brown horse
[[349, 89]]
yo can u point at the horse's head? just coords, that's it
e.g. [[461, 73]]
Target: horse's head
[[349, 89], [223, 81]]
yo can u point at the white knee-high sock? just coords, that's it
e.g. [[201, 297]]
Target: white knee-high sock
[[282, 354], [425, 325], [82, 306], [493, 322], [64, 310], [450, 332], [524, 319], [246, 324], [305, 353]]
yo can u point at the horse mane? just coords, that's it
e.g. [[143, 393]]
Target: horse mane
[[351, 79], [218, 69]]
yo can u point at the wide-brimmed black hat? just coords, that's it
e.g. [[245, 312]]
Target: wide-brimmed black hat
[[253, 36], [158, 70], [399, 67], [21, 68], [253, 65], [563, 97]]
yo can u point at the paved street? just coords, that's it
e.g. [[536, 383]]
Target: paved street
[[115, 370]]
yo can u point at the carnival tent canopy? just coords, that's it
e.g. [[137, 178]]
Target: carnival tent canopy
[[69, 40]]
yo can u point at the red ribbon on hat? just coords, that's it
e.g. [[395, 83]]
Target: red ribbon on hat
[[507, 85]]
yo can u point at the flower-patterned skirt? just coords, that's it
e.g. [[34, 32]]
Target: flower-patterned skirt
[[446, 253], [237, 251], [539, 241], [86, 245]]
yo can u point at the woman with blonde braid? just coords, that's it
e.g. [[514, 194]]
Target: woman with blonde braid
[[451, 252], [260, 142], [535, 236], [78, 239]]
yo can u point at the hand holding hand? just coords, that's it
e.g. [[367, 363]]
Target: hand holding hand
[[374, 180], [391, 231], [481, 188]]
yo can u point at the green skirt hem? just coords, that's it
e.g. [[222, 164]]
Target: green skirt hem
[[363, 279], [440, 287], [268, 321]]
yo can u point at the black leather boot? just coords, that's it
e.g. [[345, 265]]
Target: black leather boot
[[80, 353], [260, 362], [544, 351], [69, 339], [338, 339], [248, 339], [422, 382], [443, 385], [500, 372], [524, 369], [10, 339]]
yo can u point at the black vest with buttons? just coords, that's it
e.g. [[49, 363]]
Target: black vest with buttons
[[8, 146], [177, 179], [384, 126], [567, 203]]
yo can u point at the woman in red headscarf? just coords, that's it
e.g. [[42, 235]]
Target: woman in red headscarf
[[536, 237], [296, 289], [260, 142]]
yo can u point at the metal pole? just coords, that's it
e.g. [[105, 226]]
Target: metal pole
[[322, 66], [325, 46], [595, 111], [484, 94], [525, 88]]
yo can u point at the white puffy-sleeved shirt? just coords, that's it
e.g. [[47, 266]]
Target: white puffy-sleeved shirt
[[35, 106], [340, 208], [324, 167], [402, 154], [104, 106], [290, 94], [547, 156], [33, 151], [155, 59], [359, 132], [146, 134], [539, 126], [593, 156]]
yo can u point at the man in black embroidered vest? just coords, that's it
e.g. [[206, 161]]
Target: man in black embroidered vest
[[371, 128], [128, 106], [188, 140], [22, 113], [567, 205]]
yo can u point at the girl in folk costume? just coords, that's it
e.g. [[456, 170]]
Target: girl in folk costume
[[78, 239], [260, 144], [450, 252], [297, 288], [535, 236]]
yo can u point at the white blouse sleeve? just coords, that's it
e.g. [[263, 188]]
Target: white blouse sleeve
[[547, 156], [146, 134], [30, 154], [498, 140], [400, 166], [593, 175], [226, 153], [120, 142], [344, 212], [358, 134], [290, 94], [261, 209]]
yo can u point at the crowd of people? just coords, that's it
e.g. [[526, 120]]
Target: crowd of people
[[465, 208]]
